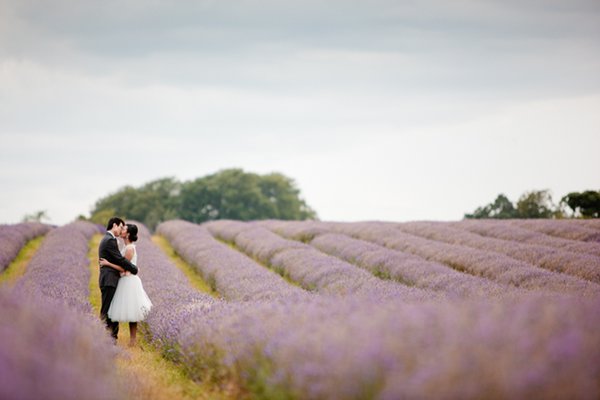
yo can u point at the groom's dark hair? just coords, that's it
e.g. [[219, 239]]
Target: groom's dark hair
[[114, 220]]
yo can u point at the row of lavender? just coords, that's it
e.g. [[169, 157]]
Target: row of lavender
[[312, 269], [586, 230], [174, 301], [14, 237], [51, 346], [391, 247], [322, 258], [323, 346], [234, 275], [579, 259], [570, 236]]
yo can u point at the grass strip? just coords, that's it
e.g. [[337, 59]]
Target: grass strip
[[190, 272], [18, 266], [286, 277]]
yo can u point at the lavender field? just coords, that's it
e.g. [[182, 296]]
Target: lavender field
[[325, 310], [383, 310], [51, 345]]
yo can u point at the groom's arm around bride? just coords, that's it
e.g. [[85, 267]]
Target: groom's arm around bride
[[109, 250]]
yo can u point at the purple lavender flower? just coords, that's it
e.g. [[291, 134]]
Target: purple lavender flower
[[52, 346], [174, 300], [353, 346], [14, 237], [312, 269], [407, 268], [60, 268], [233, 274], [51, 351], [506, 231], [582, 230], [491, 265], [348, 348], [586, 266]]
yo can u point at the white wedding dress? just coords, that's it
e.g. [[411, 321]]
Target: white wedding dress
[[130, 302]]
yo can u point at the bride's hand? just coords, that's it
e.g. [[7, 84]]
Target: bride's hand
[[103, 262]]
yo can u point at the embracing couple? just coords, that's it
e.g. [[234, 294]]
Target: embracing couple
[[123, 296]]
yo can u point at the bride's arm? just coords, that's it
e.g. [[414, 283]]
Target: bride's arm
[[106, 263]]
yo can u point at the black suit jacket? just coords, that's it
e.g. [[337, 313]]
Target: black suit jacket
[[109, 250]]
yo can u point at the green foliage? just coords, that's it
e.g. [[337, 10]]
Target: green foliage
[[533, 204], [152, 203], [585, 204], [259, 382], [235, 194], [101, 216], [501, 208], [227, 194]]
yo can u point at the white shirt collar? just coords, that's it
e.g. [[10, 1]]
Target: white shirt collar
[[112, 234]]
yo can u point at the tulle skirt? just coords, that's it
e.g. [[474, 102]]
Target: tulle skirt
[[130, 302]]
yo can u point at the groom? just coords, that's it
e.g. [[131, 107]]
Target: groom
[[109, 277]]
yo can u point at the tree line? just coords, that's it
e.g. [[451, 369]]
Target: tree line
[[227, 194], [539, 204]]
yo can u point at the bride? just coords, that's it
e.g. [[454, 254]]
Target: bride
[[130, 303]]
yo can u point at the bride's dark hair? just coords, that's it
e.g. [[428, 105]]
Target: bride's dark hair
[[132, 231]]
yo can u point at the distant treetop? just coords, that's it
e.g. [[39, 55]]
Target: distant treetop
[[227, 194], [538, 204]]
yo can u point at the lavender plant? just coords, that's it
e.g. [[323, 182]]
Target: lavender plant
[[567, 229], [407, 268], [348, 349], [52, 346], [50, 351], [531, 345], [14, 237], [174, 300], [584, 266], [233, 274], [497, 267], [506, 231], [312, 269], [59, 269]]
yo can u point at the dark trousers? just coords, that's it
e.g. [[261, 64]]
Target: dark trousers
[[108, 293]]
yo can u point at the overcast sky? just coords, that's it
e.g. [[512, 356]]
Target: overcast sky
[[390, 110]]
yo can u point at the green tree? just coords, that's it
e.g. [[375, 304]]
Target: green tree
[[235, 194], [536, 204], [501, 208], [586, 204], [152, 203], [101, 216], [532, 204], [281, 191], [227, 194]]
